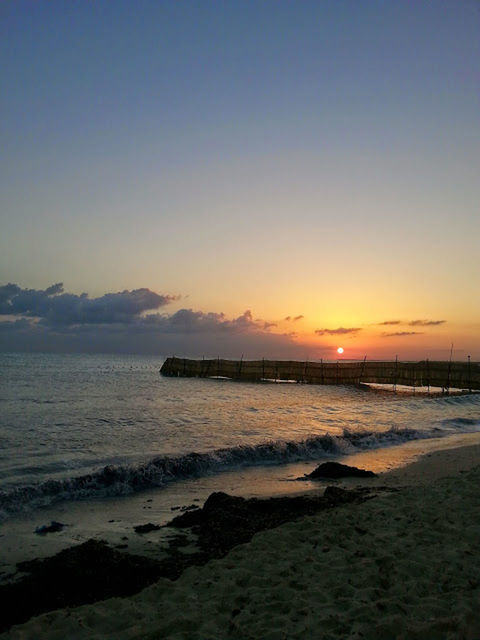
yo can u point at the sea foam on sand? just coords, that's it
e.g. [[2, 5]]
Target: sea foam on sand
[[405, 564]]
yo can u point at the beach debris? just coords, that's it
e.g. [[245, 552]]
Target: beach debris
[[53, 527], [337, 470], [190, 507], [146, 528]]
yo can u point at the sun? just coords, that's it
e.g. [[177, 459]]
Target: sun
[[340, 350]]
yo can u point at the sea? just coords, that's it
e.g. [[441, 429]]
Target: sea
[[85, 439]]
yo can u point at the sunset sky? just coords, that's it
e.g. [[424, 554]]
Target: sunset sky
[[283, 177]]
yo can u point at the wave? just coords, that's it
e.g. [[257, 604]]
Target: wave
[[464, 424], [160, 471], [472, 398]]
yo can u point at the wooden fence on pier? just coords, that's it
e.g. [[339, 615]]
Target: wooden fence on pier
[[446, 375]]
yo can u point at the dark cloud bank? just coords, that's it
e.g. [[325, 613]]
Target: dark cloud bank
[[129, 322]]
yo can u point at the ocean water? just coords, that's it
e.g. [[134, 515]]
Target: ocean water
[[81, 427]]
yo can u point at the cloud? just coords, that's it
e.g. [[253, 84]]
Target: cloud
[[7, 291], [269, 325], [425, 323], [54, 289], [130, 322], [413, 323], [17, 325], [337, 332], [402, 333], [296, 318], [55, 308], [190, 321]]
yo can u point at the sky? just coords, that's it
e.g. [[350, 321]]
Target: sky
[[268, 178]]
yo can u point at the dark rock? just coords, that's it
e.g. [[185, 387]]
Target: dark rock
[[53, 527], [146, 528], [337, 470]]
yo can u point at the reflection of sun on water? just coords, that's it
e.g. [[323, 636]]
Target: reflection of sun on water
[[340, 350]]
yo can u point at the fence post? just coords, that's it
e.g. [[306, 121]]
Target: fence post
[[469, 376], [305, 372], [362, 371], [240, 367], [449, 369]]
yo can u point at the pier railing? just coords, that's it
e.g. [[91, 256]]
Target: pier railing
[[425, 373]]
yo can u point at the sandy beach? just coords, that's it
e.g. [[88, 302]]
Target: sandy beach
[[403, 564]]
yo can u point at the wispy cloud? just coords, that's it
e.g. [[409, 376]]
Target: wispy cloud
[[402, 333], [293, 319], [337, 332], [425, 323], [413, 323]]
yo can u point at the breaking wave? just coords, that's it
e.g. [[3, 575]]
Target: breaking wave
[[159, 471]]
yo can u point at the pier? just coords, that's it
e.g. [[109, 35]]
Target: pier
[[425, 373]]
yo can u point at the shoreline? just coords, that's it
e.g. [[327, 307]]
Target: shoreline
[[113, 519], [431, 503]]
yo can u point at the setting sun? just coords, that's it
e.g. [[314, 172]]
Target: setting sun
[[340, 350]]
